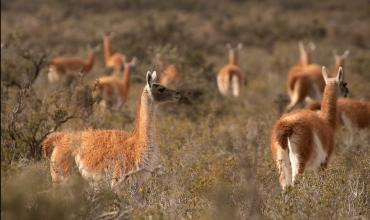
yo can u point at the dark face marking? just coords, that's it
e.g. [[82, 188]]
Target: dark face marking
[[163, 94], [343, 90]]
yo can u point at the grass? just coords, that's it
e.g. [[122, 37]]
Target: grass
[[215, 155]]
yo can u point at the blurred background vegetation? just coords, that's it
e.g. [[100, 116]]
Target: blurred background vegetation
[[215, 155]]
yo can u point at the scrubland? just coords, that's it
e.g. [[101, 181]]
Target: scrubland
[[215, 153]]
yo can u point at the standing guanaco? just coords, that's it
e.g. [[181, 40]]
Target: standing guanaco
[[113, 61], [109, 86], [308, 83], [62, 66], [170, 77], [113, 154], [304, 80], [230, 78], [305, 58], [353, 114], [304, 140]]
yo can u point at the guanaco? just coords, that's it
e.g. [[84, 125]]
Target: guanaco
[[304, 60], [170, 77], [108, 86], [230, 78], [115, 154], [305, 79], [340, 59], [308, 83], [61, 66], [304, 140], [113, 61], [353, 114]]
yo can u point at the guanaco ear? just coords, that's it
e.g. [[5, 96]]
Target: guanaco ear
[[149, 79], [345, 54], [324, 74], [154, 76], [240, 46], [340, 75], [133, 61], [312, 46]]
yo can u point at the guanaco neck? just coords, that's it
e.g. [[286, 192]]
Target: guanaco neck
[[304, 57], [90, 61], [107, 48], [329, 104], [145, 129], [233, 57], [126, 76], [339, 62]]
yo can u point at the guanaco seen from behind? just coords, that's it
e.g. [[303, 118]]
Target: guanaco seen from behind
[[62, 66], [305, 58], [305, 79], [353, 114], [113, 154], [230, 78], [304, 140], [308, 83]]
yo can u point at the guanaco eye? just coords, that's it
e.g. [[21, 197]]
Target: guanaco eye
[[161, 89]]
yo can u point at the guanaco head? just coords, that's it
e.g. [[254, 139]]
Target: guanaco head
[[339, 59], [108, 34], [342, 89], [158, 92], [93, 50], [130, 65], [305, 55], [234, 53]]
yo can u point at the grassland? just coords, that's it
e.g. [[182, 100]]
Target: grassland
[[215, 154]]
